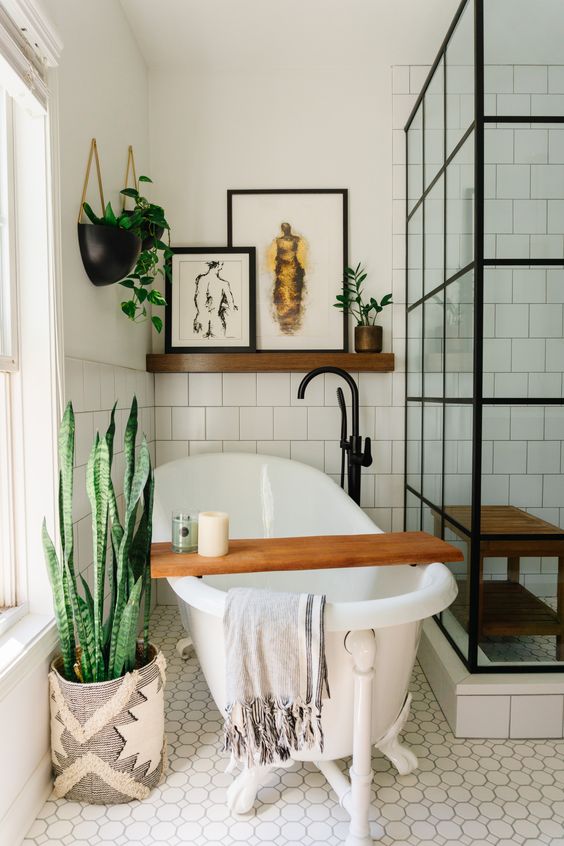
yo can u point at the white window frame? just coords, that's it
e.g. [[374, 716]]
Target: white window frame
[[33, 389]]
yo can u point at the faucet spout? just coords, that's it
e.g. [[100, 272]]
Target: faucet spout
[[348, 379]]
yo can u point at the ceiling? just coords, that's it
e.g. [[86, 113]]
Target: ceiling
[[251, 34]]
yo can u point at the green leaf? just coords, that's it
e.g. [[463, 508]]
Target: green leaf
[[157, 322], [129, 451], [63, 620], [141, 294], [128, 307], [386, 300], [98, 490], [109, 216], [144, 179], [127, 283], [90, 214], [156, 298], [129, 192], [124, 658]]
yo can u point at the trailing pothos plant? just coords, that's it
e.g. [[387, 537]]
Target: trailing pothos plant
[[365, 313], [98, 643], [146, 220]]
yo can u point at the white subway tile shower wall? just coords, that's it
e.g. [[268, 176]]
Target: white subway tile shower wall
[[93, 388], [260, 412]]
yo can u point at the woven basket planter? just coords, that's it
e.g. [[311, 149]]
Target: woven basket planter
[[107, 738]]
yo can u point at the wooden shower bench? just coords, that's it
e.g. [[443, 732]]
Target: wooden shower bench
[[506, 607]]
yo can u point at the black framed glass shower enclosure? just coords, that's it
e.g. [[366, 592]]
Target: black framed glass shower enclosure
[[485, 328]]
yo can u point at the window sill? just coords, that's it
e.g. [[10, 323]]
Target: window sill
[[28, 642]]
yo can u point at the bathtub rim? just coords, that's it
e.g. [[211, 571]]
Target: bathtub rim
[[435, 592]]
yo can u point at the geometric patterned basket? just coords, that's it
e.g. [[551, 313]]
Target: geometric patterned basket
[[108, 744]]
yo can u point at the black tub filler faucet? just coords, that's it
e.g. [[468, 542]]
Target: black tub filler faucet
[[351, 448]]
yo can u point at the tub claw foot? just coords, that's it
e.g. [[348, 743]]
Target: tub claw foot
[[242, 792], [185, 648], [390, 746]]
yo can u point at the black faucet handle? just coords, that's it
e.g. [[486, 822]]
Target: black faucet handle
[[367, 455]]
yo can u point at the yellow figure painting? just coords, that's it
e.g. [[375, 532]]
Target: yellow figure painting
[[287, 259]]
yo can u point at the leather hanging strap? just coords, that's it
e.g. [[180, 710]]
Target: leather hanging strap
[[130, 166], [93, 154]]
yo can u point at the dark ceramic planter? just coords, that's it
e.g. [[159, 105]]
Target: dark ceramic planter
[[108, 253], [368, 339]]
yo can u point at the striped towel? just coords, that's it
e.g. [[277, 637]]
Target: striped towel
[[276, 674]]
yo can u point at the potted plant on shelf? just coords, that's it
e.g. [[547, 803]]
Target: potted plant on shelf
[[107, 686], [147, 223], [367, 334]]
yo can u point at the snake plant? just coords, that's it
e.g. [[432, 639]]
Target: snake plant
[[99, 643]]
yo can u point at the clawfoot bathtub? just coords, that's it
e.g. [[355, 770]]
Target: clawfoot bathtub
[[372, 621]]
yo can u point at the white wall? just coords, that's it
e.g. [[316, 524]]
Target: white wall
[[102, 81]]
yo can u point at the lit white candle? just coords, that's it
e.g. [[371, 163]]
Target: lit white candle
[[213, 533]]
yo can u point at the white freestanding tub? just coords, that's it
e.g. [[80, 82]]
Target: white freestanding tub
[[372, 621]]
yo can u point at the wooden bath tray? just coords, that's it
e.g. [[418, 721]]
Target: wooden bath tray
[[310, 553]]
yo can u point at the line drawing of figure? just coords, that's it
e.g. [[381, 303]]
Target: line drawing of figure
[[214, 296], [287, 259]]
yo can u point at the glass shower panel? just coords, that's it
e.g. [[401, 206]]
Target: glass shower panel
[[413, 446], [415, 256], [434, 125], [412, 512], [459, 341], [415, 159], [434, 238], [415, 351], [460, 208], [523, 57], [433, 345], [456, 618], [523, 332], [433, 453], [458, 462], [460, 79], [524, 212]]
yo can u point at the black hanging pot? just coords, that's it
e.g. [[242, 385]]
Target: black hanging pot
[[108, 252]]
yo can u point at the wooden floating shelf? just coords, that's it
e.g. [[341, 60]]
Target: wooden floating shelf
[[306, 553], [263, 362]]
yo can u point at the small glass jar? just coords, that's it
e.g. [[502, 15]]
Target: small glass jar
[[185, 530]]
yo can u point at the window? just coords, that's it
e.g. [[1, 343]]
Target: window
[[29, 355]]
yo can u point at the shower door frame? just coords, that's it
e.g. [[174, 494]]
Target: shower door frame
[[478, 264]]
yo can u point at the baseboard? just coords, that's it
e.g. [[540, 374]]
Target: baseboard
[[21, 814]]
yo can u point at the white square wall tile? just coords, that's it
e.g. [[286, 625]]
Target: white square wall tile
[[256, 423], [511, 320], [527, 355], [107, 387], [171, 389], [510, 457], [529, 217], [188, 424], [546, 321], [74, 383], [482, 716], [308, 452], [205, 388], [290, 424], [169, 451], [531, 146], [240, 446], [513, 182], [543, 457], [91, 386], [239, 389], [530, 79], [323, 423], [163, 423], [279, 448], [222, 424], [273, 389], [536, 716]]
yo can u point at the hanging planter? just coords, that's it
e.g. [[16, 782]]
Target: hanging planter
[[108, 250]]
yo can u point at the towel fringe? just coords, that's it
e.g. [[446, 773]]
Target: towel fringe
[[266, 730]]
